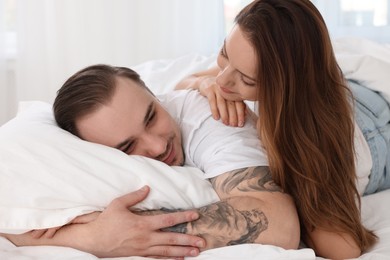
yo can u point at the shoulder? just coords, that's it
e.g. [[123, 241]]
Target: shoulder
[[185, 105]]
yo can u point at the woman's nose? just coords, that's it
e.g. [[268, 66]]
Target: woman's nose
[[225, 77]]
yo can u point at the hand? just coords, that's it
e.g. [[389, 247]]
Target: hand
[[119, 232], [231, 113], [46, 233]]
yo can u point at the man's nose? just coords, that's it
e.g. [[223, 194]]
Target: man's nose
[[154, 145]]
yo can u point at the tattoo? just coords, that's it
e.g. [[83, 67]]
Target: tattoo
[[257, 222], [248, 179], [224, 225], [221, 223], [179, 228]]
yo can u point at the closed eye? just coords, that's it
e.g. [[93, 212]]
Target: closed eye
[[152, 118], [128, 148], [247, 81], [222, 52]]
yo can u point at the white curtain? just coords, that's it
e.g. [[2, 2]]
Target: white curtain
[[3, 93], [57, 38], [357, 18]]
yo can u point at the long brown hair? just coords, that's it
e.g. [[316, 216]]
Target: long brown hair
[[306, 118]]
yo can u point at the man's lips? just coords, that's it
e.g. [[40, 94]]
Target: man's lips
[[171, 155]]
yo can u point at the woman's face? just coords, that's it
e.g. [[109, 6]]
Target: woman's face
[[237, 63]]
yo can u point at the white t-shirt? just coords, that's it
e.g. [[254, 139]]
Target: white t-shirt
[[216, 148], [209, 144]]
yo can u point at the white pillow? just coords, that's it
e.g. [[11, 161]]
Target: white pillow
[[49, 176]]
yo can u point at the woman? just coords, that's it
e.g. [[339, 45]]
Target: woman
[[279, 54]]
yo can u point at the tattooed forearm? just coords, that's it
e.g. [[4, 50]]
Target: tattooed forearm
[[221, 224], [247, 179]]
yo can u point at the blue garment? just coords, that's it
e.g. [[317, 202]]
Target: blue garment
[[372, 114]]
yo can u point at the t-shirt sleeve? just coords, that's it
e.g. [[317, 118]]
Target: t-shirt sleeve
[[214, 147]]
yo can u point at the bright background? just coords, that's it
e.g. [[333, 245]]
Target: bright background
[[43, 42]]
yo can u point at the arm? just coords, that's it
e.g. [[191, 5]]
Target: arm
[[252, 210], [333, 245], [230, 112], [199, 80], [119, 232]]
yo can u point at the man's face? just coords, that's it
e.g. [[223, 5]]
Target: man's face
[[134, 122]]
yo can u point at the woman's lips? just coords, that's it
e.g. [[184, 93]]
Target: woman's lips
[[227, 91]]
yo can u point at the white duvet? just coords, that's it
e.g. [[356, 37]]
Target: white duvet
[[161, 76]]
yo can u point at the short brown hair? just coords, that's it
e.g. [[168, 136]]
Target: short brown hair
[[86, 91]]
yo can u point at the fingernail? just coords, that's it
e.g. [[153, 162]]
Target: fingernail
[[194, 216], [144, 188], [199, 243], [194, 252], [241, 124]]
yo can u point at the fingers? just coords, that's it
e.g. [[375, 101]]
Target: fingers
[[232, 113], [177, 239], [171, 219], [132, 198], [173, 251], [176, 245], [46, 233], [211, 96], [86, 218], [51, 232], [223, 110], [241, 109]]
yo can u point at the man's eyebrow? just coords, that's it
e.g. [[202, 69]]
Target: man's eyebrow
[[225, 52], [149, 111]]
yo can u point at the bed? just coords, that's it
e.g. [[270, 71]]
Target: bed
[[44, 148]]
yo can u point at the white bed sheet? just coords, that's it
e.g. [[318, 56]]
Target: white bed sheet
[[161, 76], [375, 215]]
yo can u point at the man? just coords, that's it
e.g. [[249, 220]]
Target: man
[[112, 106]]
